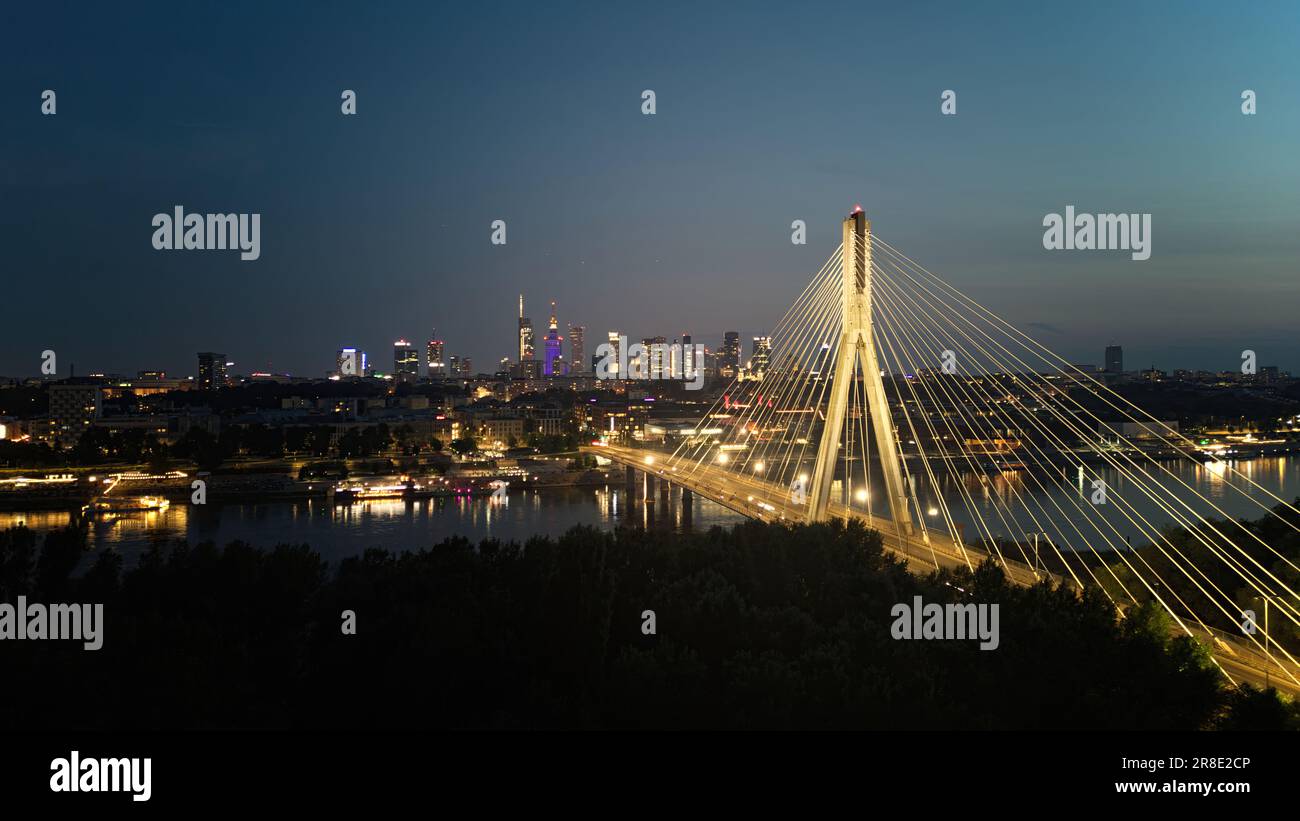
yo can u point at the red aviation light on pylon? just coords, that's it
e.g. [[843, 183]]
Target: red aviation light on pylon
[[857, 209]]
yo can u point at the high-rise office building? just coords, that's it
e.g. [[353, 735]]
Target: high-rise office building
[[74, 405], [729, 356], [655, 358], [821, 366], [1114, 359], [525, 333], [554, 345], [406, 361], [348, 363], [761, 353], [212, 371], [615, 346], [466, 367], [437, 368], [577, 348]]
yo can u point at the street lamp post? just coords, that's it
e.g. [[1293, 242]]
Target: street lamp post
[[1268, 639]]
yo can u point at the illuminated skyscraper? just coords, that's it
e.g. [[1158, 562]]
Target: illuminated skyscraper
[[577, 349], [437, 368], [655, 359], [406, 361], [762, 352], [348, 363], [614, 346], [822, 366], [554, 345], [729, 356], [525, 333], [212, 371]]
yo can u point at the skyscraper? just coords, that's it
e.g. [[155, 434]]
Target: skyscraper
[[762, 351], [822, 367], [406, 361], [577, 348], [525, 333], [729, 356], [1114, 359], [212, 371], [349, 362], [554, 345], [655, 359], [614, 353], [437, 368]]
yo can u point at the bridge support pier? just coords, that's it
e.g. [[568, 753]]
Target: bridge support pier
[[631, 484]]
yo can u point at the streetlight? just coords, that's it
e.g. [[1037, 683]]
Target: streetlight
[[1268, 639]]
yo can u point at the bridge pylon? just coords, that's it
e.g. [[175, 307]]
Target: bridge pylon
[[857, 347]]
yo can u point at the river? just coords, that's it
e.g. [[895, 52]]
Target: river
[[337, 531]]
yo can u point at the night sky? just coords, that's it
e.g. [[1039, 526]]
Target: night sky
[[378, 226]]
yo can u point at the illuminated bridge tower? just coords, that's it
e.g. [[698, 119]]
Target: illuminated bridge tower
[[857, 346]]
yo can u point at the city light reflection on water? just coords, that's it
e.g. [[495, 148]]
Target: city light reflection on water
[[337, 531]]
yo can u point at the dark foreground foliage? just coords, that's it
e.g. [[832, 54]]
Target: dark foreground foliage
[[759, 626]]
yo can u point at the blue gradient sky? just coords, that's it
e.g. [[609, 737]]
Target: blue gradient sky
[[377, 226]]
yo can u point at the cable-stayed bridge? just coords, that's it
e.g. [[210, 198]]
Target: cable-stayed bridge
[[890, 397]]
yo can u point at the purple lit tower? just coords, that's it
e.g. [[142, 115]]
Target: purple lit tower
[[554, 344]]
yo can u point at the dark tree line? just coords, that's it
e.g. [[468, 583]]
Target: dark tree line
[[757, 626]]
